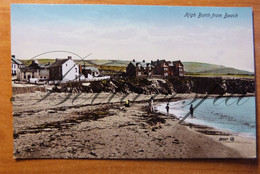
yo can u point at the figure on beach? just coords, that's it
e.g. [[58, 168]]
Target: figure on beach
[[151, 105], [167, 108], [127, 103], [191, 111]]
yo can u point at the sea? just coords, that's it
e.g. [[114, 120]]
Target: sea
[[236, 114]]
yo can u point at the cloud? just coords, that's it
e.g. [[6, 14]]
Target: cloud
[[225, 45]]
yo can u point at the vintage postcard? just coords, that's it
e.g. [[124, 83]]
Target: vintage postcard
[[132, 82]]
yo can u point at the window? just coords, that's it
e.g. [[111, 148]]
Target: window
[[75, 69], [165, 69], [24, 76], [165, 74], [66, 64], [139, 73], [14, 66]]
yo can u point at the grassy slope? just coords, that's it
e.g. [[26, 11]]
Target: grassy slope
[[100, 62], [196, 67], [41, 61], [205, 68]]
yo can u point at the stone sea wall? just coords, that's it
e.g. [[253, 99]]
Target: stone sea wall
[[200, 85]]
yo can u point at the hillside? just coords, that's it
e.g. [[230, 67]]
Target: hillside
[[41, 61], [100, 62], [205, 68]]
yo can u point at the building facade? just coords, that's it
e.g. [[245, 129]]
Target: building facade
[[16, 66], [34, 71], [168, 68], [64, 70], [89, 71], [159, 68], [139, 69]]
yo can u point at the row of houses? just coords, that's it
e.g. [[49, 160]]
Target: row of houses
[[68, 70], [61, 70], [159, 68]]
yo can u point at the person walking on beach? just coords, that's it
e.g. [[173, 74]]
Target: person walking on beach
[[191, 111], [167, 108], [151, 105]]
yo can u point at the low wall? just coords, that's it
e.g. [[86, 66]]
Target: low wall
[[21, 90]]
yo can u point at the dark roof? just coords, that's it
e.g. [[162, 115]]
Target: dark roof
[[59, 62], [34, 65], [158, 62], [16, 61], [178, 61], [143, 64]]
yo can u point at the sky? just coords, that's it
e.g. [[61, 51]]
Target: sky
[[134, 32]]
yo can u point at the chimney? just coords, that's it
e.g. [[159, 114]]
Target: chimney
[[143, 60], [56, 60], [133, 60], [157, 60], [80, 69], [13, 56], [151, 62], [69, 57]]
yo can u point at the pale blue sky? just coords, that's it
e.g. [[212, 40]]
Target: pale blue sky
[[133, 32]]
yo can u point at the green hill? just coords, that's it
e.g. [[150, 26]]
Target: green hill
[[196, 67], [100, 62], [41, 61], [205, 68]]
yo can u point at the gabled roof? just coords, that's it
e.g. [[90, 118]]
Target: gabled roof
[[143, 64], [34, 65], [16, 61], [178, 61], [59, 62], [158, 62]]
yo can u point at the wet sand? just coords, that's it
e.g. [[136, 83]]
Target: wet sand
[[81, 127]]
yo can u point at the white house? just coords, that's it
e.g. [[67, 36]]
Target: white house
[[64, 70], [16, 65]]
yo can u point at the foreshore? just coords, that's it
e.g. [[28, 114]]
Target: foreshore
[[63, 125]]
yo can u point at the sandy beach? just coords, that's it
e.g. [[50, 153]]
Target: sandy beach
[[60, 125]]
